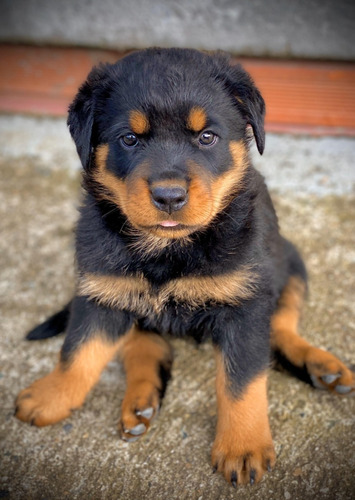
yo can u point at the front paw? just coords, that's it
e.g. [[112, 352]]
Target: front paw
[[47, 401], [243, 450], [242, 463]]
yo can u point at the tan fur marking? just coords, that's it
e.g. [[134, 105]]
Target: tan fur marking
[[131, 293], [169, 183], [285, 338], [284, 323], [243, 439], [134, 293], [226, 288], [138, 122], [131, 196], [228, 184], [143, 214], [51, 398], [114, 188], [142, 354], [197, 119], [206, 197], [101, 154]]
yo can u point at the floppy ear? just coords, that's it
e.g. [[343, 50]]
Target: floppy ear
[[82, 111], [80, 122], [249, 102]]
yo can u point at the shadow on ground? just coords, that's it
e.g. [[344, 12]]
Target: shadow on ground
[[83, 457]]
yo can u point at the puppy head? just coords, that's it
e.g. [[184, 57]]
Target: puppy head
[[162, 134]]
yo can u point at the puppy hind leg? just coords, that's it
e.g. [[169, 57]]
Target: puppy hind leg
[[147, 360], [325, 370]]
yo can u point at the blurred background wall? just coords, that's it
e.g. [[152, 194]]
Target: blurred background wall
[[300, 52], [320, 29]]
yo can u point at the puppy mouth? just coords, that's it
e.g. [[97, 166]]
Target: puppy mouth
[[171, 228], [169, 224]]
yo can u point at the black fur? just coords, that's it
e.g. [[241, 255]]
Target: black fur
[[54, 325]]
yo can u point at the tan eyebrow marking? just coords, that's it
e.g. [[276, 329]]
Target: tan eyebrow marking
[[197, 119], [138, 122]]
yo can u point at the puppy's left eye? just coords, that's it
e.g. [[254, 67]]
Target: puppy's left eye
[[207, 138]]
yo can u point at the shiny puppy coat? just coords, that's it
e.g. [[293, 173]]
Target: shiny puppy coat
[[178, 235]]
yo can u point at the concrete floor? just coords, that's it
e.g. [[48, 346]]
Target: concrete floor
[[312, 183]]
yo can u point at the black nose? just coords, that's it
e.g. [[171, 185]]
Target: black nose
[[169, 199]]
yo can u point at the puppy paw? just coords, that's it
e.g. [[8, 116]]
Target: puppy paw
[[139, 407], [43, 402], [328, 372], [242, 464]]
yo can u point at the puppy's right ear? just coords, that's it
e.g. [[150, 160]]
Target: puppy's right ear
[[82, 111]]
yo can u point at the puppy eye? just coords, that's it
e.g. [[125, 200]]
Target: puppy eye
[[207, 138], [129, 140]]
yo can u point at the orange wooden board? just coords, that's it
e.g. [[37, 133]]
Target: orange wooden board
[[301, 96]]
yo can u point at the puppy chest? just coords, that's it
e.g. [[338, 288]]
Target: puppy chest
[[136, 294]]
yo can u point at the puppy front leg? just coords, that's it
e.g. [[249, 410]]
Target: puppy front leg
[[94, 336], [243, 449]]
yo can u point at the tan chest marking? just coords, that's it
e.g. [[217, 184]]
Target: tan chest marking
[[135, 293]]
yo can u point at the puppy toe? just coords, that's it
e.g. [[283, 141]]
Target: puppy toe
[[327, 372]]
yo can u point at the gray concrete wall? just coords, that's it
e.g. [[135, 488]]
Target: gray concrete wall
[[322, 29]]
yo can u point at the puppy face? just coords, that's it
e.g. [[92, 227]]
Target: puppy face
[[162, 136]]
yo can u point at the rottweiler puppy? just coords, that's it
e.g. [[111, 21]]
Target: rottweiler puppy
[[178, 235]]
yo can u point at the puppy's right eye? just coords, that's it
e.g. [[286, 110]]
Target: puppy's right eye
[[129, 140]]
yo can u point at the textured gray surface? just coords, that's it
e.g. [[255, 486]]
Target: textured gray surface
[[82, 457], [306, 28]]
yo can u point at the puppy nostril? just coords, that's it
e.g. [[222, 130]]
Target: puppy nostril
[[169, 199]]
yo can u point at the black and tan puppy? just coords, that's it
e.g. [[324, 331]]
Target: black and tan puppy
[[177, 234]]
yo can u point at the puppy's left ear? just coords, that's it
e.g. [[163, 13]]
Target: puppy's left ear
[[249, 101]]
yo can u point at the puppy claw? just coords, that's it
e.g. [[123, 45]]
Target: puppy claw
[[130, 440], [137, 430], [328, 382], [147, 413], [329, 379], [317, 384], [234, 479], [343, 389], [252, 476]]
